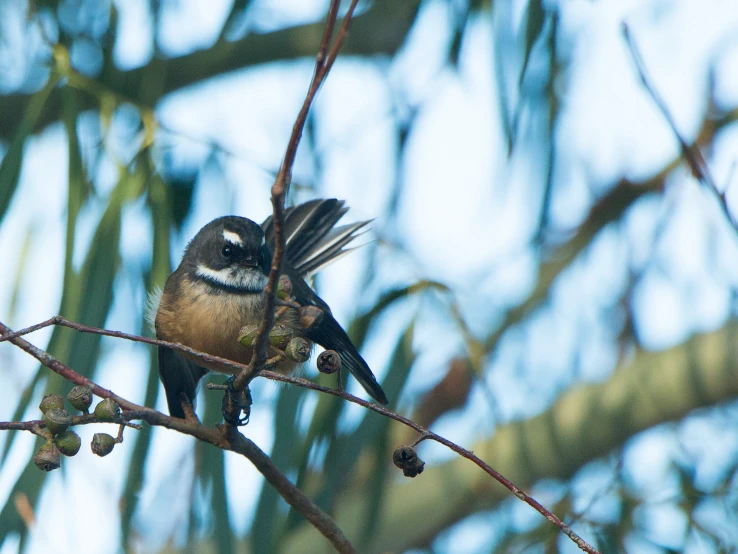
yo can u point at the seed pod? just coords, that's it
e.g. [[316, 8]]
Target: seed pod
[[407, 460], [68, 443], [298, 350], [57, 421], [81, 398], [107, 410], [280, 336], [48, 457], [284, 287], [310, 316], [248, 335], [102, 444], [51, 402], [329, 362]]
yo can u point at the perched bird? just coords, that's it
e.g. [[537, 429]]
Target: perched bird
[[218, 289]]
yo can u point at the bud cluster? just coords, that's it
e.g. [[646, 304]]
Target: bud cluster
[[61, 439]]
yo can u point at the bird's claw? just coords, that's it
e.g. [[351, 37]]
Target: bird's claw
[[236, 402]]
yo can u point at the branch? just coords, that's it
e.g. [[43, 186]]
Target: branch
[[176, 423], [694, 158], [225, 438], [85, 419], [608, 208], [282, 182]]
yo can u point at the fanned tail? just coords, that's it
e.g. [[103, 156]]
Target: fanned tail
[[313, 240]]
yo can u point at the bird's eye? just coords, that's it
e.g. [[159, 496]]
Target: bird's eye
[[227, 251]]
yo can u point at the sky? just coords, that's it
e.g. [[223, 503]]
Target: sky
[[460, 192]]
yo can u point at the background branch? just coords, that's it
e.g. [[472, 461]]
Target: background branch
[[224, 57], [694, 158], [587, 423]]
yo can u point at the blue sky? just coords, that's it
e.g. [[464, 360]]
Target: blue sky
[[466, 216]]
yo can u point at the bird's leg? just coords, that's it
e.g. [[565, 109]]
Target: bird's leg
[[236, 402]]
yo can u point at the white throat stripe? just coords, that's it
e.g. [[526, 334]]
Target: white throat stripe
[[232, 237], [246, 280]]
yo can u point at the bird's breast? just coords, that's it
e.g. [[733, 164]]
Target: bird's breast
[[210, 320]]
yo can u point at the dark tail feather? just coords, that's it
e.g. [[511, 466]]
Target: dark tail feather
[[313, 240]]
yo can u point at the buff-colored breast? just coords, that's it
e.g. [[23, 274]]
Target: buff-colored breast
[[211, 321]]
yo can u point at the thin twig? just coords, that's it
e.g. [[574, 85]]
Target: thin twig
[[232, 440], [36, 427], [282, 182], [420, 439], [327, 34], [304, 383], [692, 155], [119, 438], [63, 322], [84, 419]]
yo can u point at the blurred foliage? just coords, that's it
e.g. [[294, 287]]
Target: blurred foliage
[[70, 73]]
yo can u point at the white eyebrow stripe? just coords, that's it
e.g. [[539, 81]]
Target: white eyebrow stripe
[[247, 280], [232, 237]]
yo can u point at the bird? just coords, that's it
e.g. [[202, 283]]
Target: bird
[[217, 290]]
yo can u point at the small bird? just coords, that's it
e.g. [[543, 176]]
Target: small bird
[[218, 289]]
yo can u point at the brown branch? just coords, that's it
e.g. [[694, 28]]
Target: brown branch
[[692, 154], [282, 184], [35, 425], [180, 424], [224, 57], [226, 439], [63, 322]]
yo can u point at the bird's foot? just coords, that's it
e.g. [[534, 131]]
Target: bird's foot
[[235, 403]]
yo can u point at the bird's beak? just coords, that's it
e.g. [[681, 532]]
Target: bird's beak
[[250, 261]]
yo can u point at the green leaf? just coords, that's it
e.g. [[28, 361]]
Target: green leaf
[[18, 281], [345, 452], [159, 202], [135, 475], [10, 166], [403, 359], [212, 471], [26, 489], [96, 287], [327, 413], [20, 409], [533, 29], [61, 339], [77, 350], [361, 325]]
